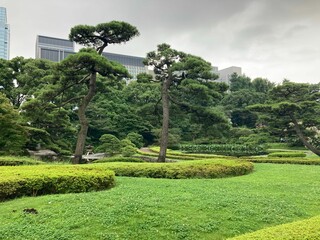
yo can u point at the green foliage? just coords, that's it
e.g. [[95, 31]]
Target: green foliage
[[225, 149], [305, 229], [136, 139], [128, 151], [287, 154], [126, 142], [212, 168], [119, 159], [42, 179], [15, 161], [110, 144], [113, 32], [257, 138], [12, 135]]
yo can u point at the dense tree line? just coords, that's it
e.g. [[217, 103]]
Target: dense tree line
[[84, 100]]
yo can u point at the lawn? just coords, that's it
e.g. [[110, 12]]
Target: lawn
[[145, 208]]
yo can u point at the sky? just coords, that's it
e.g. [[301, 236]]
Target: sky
[[273, 39]]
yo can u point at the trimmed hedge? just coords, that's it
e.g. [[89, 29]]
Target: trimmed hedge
[[226, 149], [169, 156], [214, 168], [44, 179], [305, 229], [187, 156], [119, 159], [287, 154], [304, 161], [15, 161]]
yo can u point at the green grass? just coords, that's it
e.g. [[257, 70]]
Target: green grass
[[146, 208]]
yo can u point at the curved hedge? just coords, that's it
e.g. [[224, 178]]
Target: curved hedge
[[42, 179], [287, 154], [15, 161], [214, 168], [305, 229]]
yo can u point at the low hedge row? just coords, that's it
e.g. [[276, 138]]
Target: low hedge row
[[15, 161], [283, 160], [305, 229], [225, 149], [189, 156], [44, 179], [119, 159], [169, 156], [214, 168], [287, 154]]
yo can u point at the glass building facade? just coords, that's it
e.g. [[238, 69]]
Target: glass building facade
[[54, 49], [133, 64], [4, 35]]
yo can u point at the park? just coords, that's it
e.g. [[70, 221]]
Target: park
[[183, 156]]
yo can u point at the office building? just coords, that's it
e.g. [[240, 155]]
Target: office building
[[4, 35], [54, 49], [133, 64]]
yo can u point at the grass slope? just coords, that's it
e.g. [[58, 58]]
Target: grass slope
[[145, 208]]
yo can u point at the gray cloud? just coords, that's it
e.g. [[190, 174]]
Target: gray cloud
[[267, 38]]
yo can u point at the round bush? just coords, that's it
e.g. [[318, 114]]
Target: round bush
[[44, 179], [213, 168], [305, 229]]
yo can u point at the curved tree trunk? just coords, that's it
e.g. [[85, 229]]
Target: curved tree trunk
[[302, 137], [165, 121], [84, 124]]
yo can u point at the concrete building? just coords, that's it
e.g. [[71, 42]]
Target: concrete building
[[57, 49], [226, 73], [54, 49], [4, 35]]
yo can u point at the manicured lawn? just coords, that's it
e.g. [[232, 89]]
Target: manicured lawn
[[145, 208]]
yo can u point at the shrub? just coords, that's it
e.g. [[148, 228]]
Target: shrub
[[226, 149], [213, 168], [119, 159], [14, 161], [110, 144], [284, 160], [305, 229], [136, 139], [287, 154], [44, 179], [128, 151]]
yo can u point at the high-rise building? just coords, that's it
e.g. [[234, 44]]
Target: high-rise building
[[54, 49], [4, 35], [57, 49], [133, 64]]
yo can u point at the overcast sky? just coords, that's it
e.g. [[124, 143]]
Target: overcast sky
[[273, 39]]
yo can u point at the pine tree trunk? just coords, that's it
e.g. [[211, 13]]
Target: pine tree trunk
[[84, 124], [302, 137], [165, 121]]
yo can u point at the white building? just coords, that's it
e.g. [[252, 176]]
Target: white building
[[226, 73]]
